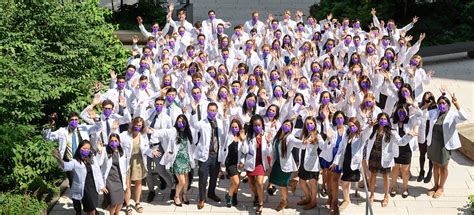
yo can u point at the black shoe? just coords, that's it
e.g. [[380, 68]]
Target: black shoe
[[405, 194], [245, 179], [222, 176], [255, 201], [271, 190], [235, 202], [324, 192], [228, 200], [163, 185], [214, 197], [172, 193], [421, 176], [427, 178], [151, 196]]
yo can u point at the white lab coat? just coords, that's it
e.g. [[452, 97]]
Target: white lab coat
[[170, 146], [79, 172], [311, 158], [250, 150], [127, 144], [201, 152], [356, 149], [62, 134], [450, 133], [287, 162], [107, 165], [389, 149]]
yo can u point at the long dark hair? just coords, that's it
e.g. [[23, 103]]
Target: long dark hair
[[109, 150], [387, 130], [282, 137], [187, 131], [431, 99], [396, 118], [305, 133], [87, 160], [250, 132], [244, 106]]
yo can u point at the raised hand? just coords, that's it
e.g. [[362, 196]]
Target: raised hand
[[430, 73], [97, 86], [135, 39], [139, 20], [113, 75], [455, 101], [373, 12], [96, 99], [422, 36], [242, 134], [268, 137], [415, 19]]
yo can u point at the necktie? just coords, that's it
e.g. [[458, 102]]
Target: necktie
[[107, 124], [120, 107], [212, 26], [74, 142], [146, 90], [168, 110], [266, 62], [152, 125], [199, 112], [214, 137]]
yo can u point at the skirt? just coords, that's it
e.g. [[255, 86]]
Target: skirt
[[278, 177], [232, 170]]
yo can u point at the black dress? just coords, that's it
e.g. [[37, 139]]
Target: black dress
[[375, 157], [347, 173], [302, 173], [114, 182], [91, 197], [231, 160], [404, 152]]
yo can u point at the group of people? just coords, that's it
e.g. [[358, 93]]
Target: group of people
[[288, 100]]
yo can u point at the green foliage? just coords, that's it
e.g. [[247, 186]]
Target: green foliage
[[20, 204], [51, 54], [126, 16], [443, 22]]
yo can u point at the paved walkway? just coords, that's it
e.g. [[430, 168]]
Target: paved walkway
[[458, 187]]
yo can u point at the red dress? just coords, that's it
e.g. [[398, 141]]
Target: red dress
[[258, 171]]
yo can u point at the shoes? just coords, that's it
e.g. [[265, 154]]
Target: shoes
[[405, 194], [393, 193], [214, 197], [271, 190], [177, 205], [235, 202], [344, 205], [421, 176], [324, 192], [259, 208], [185, 198], [245, 179], [228, 200], [283, 204], [427, 178], [151, 196], [200, 205]]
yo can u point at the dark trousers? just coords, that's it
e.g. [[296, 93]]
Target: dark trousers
[[208, 168]]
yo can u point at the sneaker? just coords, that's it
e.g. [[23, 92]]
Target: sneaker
[[421, 176], [427, 178], [228, 200], [234, 200]]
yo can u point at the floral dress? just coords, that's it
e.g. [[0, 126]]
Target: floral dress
[[181, 164]]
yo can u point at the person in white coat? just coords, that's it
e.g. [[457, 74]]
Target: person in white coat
[[69, 138], [382, 148], [349, 158], [207, 149], [135, 143], [405, 120], [308, 171], [87, 179], [442, 138], [283, 163], [178, 156], [257, 149], [114, 172], [232, 159]]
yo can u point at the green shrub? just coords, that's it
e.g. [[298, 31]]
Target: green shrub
[[20, 204], [126, 16]]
